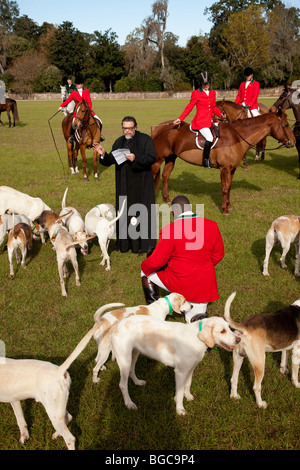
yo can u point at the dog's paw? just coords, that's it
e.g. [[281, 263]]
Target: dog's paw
[[181, 411], [189, 396], [131, 406]]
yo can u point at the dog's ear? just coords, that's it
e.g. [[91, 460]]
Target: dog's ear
[[205, 335]]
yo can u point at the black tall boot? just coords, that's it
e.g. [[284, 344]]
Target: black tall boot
[[206, 151], [151, 290]]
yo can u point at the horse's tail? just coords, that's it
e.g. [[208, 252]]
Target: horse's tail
[[15, 111]]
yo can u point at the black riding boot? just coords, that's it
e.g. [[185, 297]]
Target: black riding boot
[[151, 290], [206, 151]]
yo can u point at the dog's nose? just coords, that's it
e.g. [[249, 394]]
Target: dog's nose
[[237, 339]]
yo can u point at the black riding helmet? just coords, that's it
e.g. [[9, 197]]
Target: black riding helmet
[[204, 79], [248, 71]]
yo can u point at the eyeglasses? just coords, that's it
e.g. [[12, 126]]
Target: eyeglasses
[[128, 128]]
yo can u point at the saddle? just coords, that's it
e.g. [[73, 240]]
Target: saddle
[[200, 139]]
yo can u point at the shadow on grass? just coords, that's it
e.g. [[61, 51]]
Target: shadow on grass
[[258, 250], [191, 183]]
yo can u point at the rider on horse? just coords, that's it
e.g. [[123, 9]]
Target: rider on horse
[[205, 100], [79, 94], [248, 92]]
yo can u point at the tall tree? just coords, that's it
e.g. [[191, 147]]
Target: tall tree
[[9, 11], [108, 57], [155, 27], [68, 49], [242, 47]]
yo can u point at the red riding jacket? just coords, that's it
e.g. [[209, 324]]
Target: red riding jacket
[[190, 248], [206, 107], [248, 95], [75, 95]]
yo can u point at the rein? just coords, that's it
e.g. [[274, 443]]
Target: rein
[[254, 146], [56, 145]]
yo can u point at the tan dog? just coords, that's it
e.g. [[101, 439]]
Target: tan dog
[[65, 251], [178, 345], [45, 382], [47, 219], [7, 221], [20, 238], [284, 230], [265, 332], [159, 309]]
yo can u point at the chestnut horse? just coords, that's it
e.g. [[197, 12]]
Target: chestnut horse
[[87, 132], [290, 98], [236, 138], [10, 106], [235, 111]]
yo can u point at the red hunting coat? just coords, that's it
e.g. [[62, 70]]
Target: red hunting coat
[[248, 95], [190, 248], [75, 95], [206, 107]]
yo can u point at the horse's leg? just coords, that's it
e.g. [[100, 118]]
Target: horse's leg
[[95, 160], [226, 180], [169, 166], [70, 157], [9, 120], [261, 148], [83, 158], [2, 124], [156, 174]]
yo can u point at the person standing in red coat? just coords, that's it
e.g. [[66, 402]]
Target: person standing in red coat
[[77, 95], [184, 259], [205, 101], [248, 92]]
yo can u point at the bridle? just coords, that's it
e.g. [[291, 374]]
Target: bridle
[[287, 144]]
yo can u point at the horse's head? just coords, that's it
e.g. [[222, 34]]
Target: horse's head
[[81, 114], [281, 129], [285, 100]]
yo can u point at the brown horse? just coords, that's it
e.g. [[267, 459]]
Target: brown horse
[[235, 111], [290, 98], [87, 132], [236, 138], [10, 106]]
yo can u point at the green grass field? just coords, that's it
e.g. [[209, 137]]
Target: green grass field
[[37, 322]]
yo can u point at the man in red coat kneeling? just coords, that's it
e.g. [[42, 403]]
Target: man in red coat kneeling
[[184, 259]]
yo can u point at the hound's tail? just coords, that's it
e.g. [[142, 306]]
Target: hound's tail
[[63, 202], [100, 312], [119, 214], [82, 344], [232, 323]]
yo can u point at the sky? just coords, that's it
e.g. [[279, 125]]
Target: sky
[[184, 20]]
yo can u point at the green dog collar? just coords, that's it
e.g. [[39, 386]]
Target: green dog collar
[[170, 306]]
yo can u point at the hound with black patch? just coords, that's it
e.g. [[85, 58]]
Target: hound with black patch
[[261, 333], [19, 239]]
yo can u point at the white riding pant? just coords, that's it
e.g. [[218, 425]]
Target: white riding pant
[[206, 132], [197, 307]]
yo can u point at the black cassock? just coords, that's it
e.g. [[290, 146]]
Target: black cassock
[[136, 229]]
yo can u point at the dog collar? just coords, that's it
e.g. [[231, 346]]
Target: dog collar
[[200, 329], [170, 306]]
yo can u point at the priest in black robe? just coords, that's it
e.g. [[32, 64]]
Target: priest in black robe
[[136, 229]]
